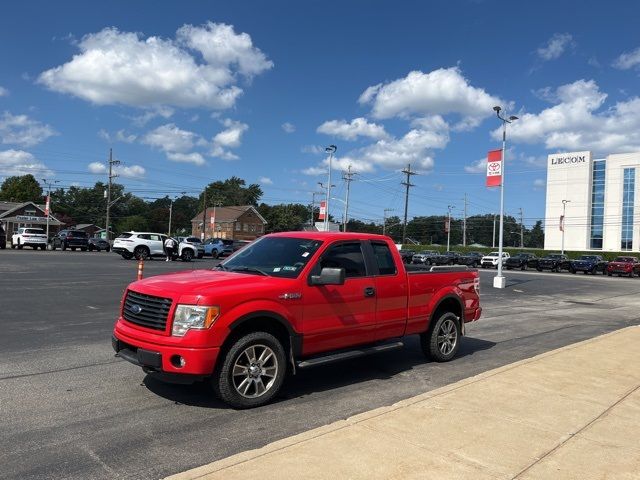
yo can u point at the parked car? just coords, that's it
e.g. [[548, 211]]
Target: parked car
[[286, 302], [3, 237], [521, 261], [218, 247], [491, 260], [471, 259], [554, 262], [29, 237], [406, 255], [70, 239], [196, 242], [99, 244], [425, 257], [629, 266], [446, 258], [238, 244], [142, 245], [589, 264]]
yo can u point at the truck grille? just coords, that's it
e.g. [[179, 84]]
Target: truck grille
[[146, 310]]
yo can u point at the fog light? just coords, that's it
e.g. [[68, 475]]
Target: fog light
[[177, 361]]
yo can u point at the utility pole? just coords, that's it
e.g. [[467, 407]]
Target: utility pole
[[204, 215], [112, 175], [331, 149], [171, 211], [313, 205], [216, 203], [348, 178], [48, 202], [384, 220], [449, 207], [408, 185], [464, 223], [521, 228]]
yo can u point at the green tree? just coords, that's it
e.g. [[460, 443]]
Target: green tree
[[284, 217], [24, 188], [535, 237], [232, 191]]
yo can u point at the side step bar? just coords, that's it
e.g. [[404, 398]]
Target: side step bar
[[349, 354]]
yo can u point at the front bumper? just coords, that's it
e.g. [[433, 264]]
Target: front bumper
[[164, 358]]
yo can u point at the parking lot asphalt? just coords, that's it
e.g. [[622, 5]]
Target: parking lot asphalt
[[70, 409]]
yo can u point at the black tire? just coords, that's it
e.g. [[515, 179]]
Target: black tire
[[73, 249], [64, 246], [43, 247], [19, 245], [214, 254], [538, 269], [523, 267], [508, 268], [187, 255], [13, 247], [573, 270], [108, 249], [84, 249], [127, 255], [53, 247], [441, 342], [609, 274], [141, 253], [90, 247], [228, 386]]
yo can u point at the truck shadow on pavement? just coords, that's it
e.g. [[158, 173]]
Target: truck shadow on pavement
[[325, 378]]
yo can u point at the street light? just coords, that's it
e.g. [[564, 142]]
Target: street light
[[564, 208], [48, 203], [326, 211], [449, 207], [331, 149], [499, 281]]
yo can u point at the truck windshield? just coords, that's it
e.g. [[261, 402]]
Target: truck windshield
[[274, 256]]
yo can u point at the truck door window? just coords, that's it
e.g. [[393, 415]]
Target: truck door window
[[384, 259], [348, 256]]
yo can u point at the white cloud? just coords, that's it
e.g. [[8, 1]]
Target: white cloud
[[170, 138], [125, 68], [315, 171], [265, 181], [440, 92], [578, 122], [539, 183], [230, 137], [133, 171], [150, 114], [119, 136], [19, 162], [628, 60], [288, 127], [193, 157], [415, 148], [358, 127], [3, 92], [22, 131], [314, 149], [479, 166], [555, 46]]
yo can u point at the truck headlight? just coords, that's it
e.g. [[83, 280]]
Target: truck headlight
[[187, 317]]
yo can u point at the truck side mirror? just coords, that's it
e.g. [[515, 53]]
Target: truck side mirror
[[328, 276]]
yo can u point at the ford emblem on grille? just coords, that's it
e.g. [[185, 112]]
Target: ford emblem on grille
[[136, 309]]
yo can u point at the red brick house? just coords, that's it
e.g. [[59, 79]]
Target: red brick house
[[235, 223]]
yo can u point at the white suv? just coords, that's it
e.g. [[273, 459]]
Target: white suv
[[31, 237], [491, 260], [143, 245]]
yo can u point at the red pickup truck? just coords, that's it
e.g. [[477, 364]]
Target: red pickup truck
[[289, 301]]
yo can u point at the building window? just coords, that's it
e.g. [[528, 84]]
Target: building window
[[628, 197], [238, 226], [245, 227], [597, 204], [259, 228]]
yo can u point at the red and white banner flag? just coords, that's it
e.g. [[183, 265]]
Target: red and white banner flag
[[562, 223], [46, 206], [213, 220], [446, 225], [323, 210], [494, 168]]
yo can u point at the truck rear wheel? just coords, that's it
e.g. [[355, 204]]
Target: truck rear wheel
[[441, 343], [252, 371]]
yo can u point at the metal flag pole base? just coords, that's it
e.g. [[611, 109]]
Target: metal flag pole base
[[499, 281]]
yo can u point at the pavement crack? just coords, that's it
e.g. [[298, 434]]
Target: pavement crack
[[574, 434], [57, 370]]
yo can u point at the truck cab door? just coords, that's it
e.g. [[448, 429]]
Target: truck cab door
[[339, 316]]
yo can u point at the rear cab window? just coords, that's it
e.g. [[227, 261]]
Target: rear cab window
[[347, 255], [384, 258]]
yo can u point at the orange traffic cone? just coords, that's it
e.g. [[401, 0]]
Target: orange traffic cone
[[140, 268]]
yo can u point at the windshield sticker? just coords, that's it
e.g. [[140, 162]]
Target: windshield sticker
[[305, 254], [289, 269], [277, 269]]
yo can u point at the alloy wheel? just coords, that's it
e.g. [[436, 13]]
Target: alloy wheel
[[254, 371]]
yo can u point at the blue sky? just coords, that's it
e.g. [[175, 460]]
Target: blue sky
[[191, 92]]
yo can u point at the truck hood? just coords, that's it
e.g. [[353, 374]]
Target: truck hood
[[200, 283]]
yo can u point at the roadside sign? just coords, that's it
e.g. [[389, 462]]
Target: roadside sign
[[494, 168]]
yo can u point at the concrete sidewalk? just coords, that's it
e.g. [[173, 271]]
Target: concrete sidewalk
[[573, 413]]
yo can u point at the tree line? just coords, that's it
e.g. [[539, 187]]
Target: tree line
[[75, 205]]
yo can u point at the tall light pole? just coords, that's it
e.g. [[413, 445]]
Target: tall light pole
[[449, 207], [348, 178], [331, 149], [564, 209], [493, 238], [326, 212], [499, 281], [313, 204], [48, 203], [112, 175]]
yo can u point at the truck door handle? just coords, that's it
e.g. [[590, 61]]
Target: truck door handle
[[369, 292]]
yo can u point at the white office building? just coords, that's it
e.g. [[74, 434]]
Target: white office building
[[594, 200]]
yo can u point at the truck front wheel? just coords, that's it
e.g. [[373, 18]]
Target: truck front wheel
[[441, 343], [252, 371]]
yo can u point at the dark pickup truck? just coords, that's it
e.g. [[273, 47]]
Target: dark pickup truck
[[446, 258], [554, 262], [471, 259], [628, 266], [521, 261], [589, 264], [289, 301]]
